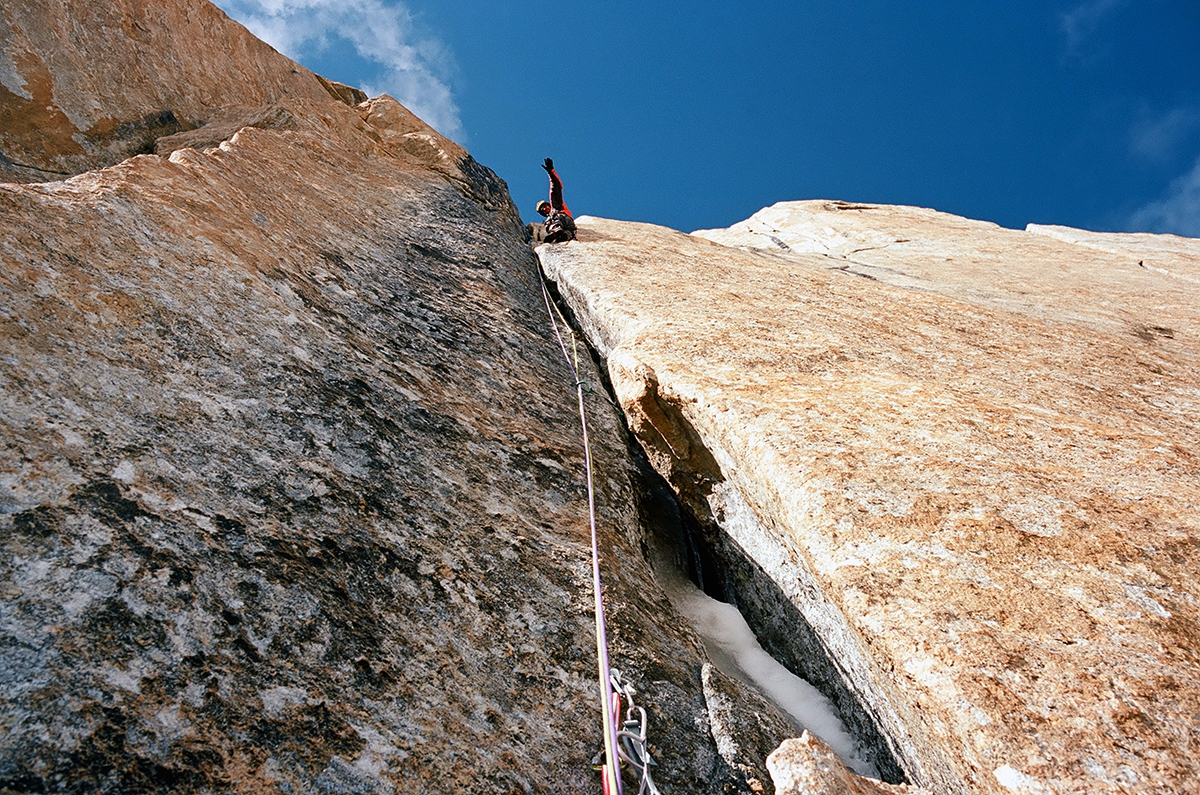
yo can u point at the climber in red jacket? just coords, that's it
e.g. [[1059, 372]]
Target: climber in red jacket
[[560, 225]]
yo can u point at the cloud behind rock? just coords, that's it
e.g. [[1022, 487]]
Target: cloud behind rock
[[396, 57], [1178, 212]]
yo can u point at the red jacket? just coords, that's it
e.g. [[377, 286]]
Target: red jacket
[[556, 193], [560, 224]]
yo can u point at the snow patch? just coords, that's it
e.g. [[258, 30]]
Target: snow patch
[[735, 651]]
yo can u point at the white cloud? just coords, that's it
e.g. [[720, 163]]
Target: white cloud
[[410, 66], [1159, 139], [1176, 213], [1084, 20]]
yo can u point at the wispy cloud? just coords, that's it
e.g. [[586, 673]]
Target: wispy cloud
[[1082, 21], [1160, 138], [1178, 212], [410, 66]]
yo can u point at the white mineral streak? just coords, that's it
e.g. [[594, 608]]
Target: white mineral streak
[[10, 76], [975, 472]]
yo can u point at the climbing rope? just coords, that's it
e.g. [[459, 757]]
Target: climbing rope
[[628, 742]]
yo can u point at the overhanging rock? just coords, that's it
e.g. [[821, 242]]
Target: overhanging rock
[[975, 472]]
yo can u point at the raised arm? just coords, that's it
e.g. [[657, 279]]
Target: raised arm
[[556, 187]]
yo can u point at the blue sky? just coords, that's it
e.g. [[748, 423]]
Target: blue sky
[[697, 114]]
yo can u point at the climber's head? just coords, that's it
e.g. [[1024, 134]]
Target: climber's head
[[543, 207]]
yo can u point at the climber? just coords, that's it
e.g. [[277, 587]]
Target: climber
[[560, 225]]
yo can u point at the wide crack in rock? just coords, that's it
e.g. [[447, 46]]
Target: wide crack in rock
[[743, 617], [685, 541]]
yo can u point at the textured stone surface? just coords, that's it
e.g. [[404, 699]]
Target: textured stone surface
[[86, 84], [291, 491], [807, 766], [975, 473], [1108, 282]]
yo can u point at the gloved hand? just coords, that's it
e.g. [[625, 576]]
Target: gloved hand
[[548, 165]]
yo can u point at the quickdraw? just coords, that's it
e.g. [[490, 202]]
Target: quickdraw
[[632, 745]]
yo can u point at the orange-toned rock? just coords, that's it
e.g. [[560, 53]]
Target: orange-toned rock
[[86, 84], [967, 456], [807, 766]]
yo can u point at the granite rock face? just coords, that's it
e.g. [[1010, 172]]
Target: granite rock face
[[958, 461], [1107, 282], [291, 483], [86, 84], [807, 766]]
